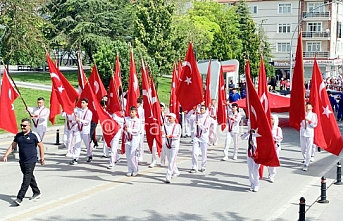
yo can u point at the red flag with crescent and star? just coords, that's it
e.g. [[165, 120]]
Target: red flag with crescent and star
[[133, 88], [208, 86], [8, 95], [190, 89], [266, 153], [96, 84], [65, 92], [326, 135]]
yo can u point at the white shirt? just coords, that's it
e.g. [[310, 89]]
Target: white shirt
[[202, 127], [307, 129], [85, 116], [133, 126], [40, 121], [173, 129], [233, 120], [70, 122]]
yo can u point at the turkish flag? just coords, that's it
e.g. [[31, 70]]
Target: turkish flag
[[65, 92], [81, 77], [326, 135], [263, 94], [173, 102], [113, 102], [297, 102], [8, 120], [189, 91], [117, 76], [157, 112], [266, 153], [179, 72], [96, 84], [221, 112], [108, 125], [133, 90], [152, 125], [208, 84], [55, 108]]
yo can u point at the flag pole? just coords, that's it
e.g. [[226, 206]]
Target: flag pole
[[246, 88]]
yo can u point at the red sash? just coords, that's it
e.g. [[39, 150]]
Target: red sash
[[199, 133], [129, 135], [35, 123], [168, 144], [68, 125], [84, 116]]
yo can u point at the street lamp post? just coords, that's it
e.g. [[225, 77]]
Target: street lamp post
[[296, 28]]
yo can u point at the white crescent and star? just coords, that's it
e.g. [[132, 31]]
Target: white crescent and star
[[327, 111], [264, 100], [60, 89]]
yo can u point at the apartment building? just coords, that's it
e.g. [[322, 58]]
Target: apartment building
[[321, 25]]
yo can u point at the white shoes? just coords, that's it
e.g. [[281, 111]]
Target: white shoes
[[305, 168], [312, 159], [152, 165], [271, 179], [225, 158], [234, 157], [140, 159], [69, 154]]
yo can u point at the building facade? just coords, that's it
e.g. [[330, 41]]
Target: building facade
[[321, 25]]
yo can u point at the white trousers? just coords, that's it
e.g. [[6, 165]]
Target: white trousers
[[131, 157], [155, 153], [41, 132], [141, 144], [253, 173], [213, 132], [229, 137], [77, 148], [199, 146], [306, 144], [172, 168], [70, 140], [272, 170]]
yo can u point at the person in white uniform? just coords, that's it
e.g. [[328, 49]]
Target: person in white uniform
[[307, 134], [83, 117], [173, 134], [132, 130], [213, 127], [114, 156], [252, 166], [202, 125], [233, 119], [39, 116], [70, 126], [278, 137]]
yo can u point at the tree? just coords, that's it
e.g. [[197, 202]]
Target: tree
[[23, 42], [85, 25], [105, 59], [153, 30], [249, 37], [266, 51]]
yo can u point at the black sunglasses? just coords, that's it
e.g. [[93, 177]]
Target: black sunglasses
[[23, 125]]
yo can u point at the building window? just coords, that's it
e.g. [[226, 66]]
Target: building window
[[285, 8], [284, 28], [315, 7], [314, 26], [339, 29], [283, 47], [253, 9], [313, 46]]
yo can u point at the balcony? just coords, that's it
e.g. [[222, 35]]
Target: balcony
[[318, 54], [315, 34], [310, 14]]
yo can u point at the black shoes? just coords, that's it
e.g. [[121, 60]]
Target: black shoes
[[90, 159], [36, 196], [18, 201]]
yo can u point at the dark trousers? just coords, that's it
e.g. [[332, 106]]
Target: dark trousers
[[28, 179], [92, 133]]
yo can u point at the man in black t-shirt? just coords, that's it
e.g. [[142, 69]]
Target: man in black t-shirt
[[27, 141]]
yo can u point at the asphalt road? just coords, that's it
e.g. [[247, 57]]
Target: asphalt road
[[89, 191]]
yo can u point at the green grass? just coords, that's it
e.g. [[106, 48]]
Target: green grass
[[30, 96], [163, 90], [43, 77]]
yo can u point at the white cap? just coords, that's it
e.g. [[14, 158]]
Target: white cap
[[162, 104], [171, 115]]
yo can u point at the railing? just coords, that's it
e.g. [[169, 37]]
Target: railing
[[314, 34], [316, 14], [312, 54]]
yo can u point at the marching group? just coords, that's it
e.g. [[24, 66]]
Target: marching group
[[200, 124]]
